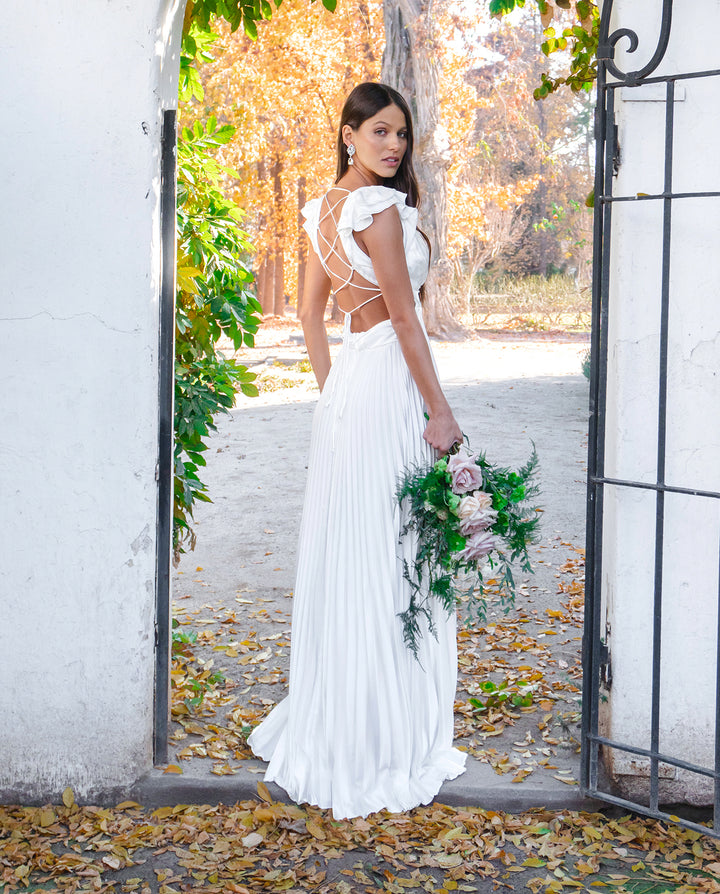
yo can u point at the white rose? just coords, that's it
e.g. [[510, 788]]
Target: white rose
[[469, 505]]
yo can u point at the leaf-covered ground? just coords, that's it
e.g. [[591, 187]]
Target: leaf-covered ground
[[238, 608], [234, 594], [517, 705], [261, 846]]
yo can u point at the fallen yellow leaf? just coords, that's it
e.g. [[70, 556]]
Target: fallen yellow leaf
[[252, 840], [47, 817], [315, 830], [68, 797]]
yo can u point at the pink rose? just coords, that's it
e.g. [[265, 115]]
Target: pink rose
[[466, 473], [481, 521], [478, 546]]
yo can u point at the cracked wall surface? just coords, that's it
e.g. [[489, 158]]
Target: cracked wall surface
[[80, 266]]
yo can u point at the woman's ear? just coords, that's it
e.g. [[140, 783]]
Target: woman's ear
[[347, 132]]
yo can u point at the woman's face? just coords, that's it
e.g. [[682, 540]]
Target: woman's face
[[380, 142]]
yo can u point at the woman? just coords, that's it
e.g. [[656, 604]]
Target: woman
[[366, 725]]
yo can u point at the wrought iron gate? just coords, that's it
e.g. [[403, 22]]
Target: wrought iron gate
[[597, 662]]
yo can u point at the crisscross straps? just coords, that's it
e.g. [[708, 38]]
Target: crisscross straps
[[332, 246]]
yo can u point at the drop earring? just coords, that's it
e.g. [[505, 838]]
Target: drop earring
[[350, 152]]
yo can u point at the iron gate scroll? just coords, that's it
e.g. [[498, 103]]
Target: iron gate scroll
[[604, 487]]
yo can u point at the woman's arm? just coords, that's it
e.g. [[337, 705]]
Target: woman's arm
[[383, 241], [312, 317]]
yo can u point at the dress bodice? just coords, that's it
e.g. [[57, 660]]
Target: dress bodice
[[356, 214]]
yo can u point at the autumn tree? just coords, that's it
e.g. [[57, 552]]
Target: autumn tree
[[412, 64], [485, 208], [548, 140], [213, 299], [284, 92], [520, 169]]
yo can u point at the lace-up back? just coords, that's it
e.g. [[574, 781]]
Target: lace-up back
[[331, 223], [346, 277]]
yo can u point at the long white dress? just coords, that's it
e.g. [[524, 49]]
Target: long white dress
[[365, 726]]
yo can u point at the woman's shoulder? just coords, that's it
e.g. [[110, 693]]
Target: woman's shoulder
[[357, 207], [377, 194], [370, 193], [366, 201]]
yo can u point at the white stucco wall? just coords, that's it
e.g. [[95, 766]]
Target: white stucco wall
[[692, 525], [85, 85]]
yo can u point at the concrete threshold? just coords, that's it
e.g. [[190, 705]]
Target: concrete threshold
[[479, 786]]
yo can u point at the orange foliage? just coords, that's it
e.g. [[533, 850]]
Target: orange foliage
[[284, 93]]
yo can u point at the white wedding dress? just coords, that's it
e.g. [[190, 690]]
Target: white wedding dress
[[365, 726]]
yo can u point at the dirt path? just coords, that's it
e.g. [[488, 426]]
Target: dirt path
[[235, 590]]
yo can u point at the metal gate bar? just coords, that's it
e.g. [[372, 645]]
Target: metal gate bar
[[166, 362], [594, 649], [662, 437]]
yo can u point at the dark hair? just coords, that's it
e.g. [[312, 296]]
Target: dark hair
[[363, 102]]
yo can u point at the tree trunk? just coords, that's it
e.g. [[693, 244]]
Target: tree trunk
[[302, 246], [264, 275], [265, 279], [410, 65], [543, 234], [278, 303]]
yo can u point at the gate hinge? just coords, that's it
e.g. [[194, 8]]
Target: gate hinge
[[605, 666]]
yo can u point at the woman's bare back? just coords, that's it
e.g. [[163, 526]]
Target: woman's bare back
[[355, 295]]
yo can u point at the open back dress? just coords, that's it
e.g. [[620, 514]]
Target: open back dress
[[366, 726]]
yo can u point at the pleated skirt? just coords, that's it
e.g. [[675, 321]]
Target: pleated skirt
[[366, 726]]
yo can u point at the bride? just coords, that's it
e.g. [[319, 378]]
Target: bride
[[366, 726]]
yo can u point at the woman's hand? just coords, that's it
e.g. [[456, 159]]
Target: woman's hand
[[442, 431]]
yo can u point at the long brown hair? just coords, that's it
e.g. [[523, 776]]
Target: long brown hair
[[363, 102]]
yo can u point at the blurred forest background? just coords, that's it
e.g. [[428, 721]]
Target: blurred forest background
[[506, 176]]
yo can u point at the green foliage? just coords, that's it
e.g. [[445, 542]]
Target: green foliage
[[585, 364], [189, 680], [237, 12], [245, 13], [196, 46], [214, 299], [182, 640], [580, 39], [518, 694], [200, 686]]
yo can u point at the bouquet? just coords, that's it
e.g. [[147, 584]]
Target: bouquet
[[466, 514]]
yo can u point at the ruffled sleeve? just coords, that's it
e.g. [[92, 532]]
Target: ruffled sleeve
[[311, 213], [357, 215]]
